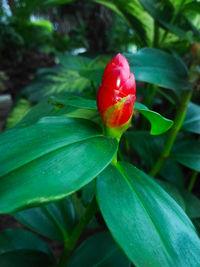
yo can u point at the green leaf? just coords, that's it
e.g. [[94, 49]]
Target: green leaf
[[25, 258], [173, 192], [160, 68], [140, 214], [54, 221], [50, 160], [192, 119], [188, 154], [54, 80], [159, 124], [98, 250], [18, 239]]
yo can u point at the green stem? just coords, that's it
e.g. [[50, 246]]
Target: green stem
[[83, 222], [178, 121], [192, 181]]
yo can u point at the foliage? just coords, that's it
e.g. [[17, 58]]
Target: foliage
[[141, 193]]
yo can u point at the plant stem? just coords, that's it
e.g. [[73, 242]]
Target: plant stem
[[192, 181], [178, 121], [83, 222]]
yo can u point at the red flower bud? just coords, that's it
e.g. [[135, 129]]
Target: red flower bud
[[116, 94]]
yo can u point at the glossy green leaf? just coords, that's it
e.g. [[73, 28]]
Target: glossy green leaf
[[98, 250], [18, 239], [49, 134], [188, 154], [159, 124], [140, 214], [54, 221], [60, 155], [25, 258], [174, 192], [192, 119], [160, 68]]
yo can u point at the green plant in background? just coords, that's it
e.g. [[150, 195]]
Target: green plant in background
[[55, 157]]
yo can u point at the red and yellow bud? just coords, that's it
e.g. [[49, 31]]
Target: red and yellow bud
[[116, 95]]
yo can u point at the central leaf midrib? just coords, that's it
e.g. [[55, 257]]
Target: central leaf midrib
[[50, 151], [121, 170]]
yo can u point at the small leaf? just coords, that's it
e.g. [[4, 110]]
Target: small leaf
[[98, 250], [159, 124], [139, 214]]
